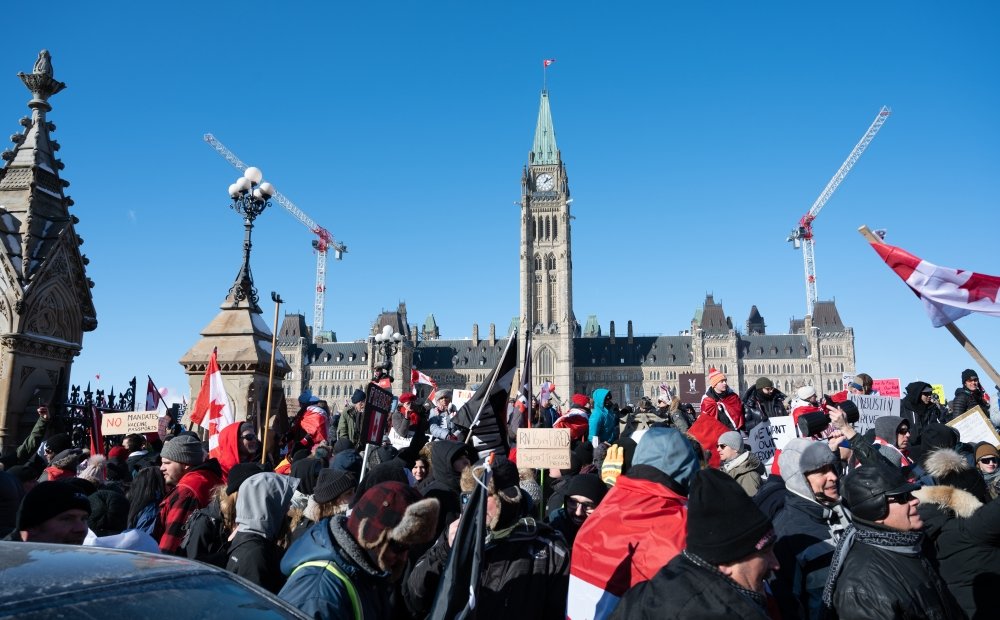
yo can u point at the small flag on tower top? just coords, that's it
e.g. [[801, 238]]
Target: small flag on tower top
[[548, 61]]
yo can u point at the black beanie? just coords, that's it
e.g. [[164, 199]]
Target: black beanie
[[357, 397], [239, 473], [724, 525], [587, 485], [48, 500], [764, 382], [968, 373], [58, 442], [332, 483], [307, 470]]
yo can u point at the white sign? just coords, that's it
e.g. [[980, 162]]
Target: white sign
[[769, 436], [129, 422], [460, 397], [872, 408], [974, 426]]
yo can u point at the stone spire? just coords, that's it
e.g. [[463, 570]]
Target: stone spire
[[544, 150]]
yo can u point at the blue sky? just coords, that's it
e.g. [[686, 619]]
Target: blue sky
[[695, 136]]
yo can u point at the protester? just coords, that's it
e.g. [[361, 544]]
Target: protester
[[144, 496], [27, 452], [582, 495], [987, 458], [741, 464], [762, 401], [189, 479], [52, 512], [862, 384], [346, 567], [108, 512], [255, 548], [403, 422], [448, 460], [892, 438], [349, 426], [806, 401], [639, 526], [728, 554], [442, 419], [919, 408], [808, 527], [237, 444], [64, 465], [970, 395], [577, 419], [722, 402], [421, 469], [879, 569], [208, 529]]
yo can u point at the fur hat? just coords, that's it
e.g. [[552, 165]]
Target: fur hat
[[764, 382], [724, 525], [586, 485], [950, 468], [393, 511], [805, 392], [714, 377], [184, 449], [503, 486]]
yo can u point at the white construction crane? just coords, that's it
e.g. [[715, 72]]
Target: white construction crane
[[321, 244], [802, 236]]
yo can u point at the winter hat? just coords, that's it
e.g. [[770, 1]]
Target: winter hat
[[108, 513], [301, 455], [886, 427], [184, 449], [239, 473], [58, 442], [984, 448], [48, 500], [586, 485], [306, 398], [580, 400], [733, 439], [927, 389], [405, 397], [342, 444], [357, 397], [442, 394], [307, 471], [332, 483], [816, 456], [724, 525], [384, 454], [714, 377], [669, 451], [118, 453], [348, 460], [968, 373], [764, 382], [864, 490], [393, 511], [805, 392]]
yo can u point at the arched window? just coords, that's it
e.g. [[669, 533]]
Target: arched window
[[555, 228], [548, 228], [538, 262], [545, 362]]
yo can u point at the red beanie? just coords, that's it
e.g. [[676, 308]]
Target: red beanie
[[405, 397], [580, 400]]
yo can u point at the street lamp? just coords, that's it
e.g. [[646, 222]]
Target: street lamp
[[388, 344], [251, 195]]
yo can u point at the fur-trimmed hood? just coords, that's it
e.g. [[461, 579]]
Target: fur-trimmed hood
[[945, 462], [961, 503]]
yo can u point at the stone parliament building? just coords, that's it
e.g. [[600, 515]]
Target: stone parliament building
[[817, 350]]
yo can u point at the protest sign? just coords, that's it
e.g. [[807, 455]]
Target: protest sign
[[871, 408], [848, 379], [541, 448], [974, 426], [460, 397], [378, 405], [769, 436], [939, 392], [129, 422], [691, 387], [886, 387]]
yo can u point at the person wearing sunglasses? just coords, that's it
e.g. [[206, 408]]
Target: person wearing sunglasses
[[970, 395], [988, 463], [878, 569]]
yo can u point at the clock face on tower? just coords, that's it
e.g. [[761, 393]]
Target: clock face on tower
[[544, 182]]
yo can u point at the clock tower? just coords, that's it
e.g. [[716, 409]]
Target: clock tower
[[547, 260]]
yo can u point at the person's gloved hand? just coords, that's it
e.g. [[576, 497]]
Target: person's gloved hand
[[612, 467]]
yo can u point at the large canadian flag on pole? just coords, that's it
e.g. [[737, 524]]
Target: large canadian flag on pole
[[948, 294], [213, 403]]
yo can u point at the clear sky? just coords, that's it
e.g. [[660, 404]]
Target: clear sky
[[695, 136]]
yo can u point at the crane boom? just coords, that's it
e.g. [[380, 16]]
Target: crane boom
[[802, 236], [324, 241]]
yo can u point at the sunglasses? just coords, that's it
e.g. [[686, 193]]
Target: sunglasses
[[902, 498], [988, 460], [572, 505]]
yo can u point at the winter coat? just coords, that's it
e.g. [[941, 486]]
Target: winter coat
[[683, 590], [878, 582], [261, 511], [963, 538], [966, 399], [524, 574], [193, 491], [726, 407], [28, 449], [770, 497], [443, 424], [206, 536], [746, 470], [917, 413], [317, 566], [603, 423], [577, 421], [349, 426], [757, 408]]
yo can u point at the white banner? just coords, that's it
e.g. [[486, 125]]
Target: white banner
[[872, 408], [769, 436]]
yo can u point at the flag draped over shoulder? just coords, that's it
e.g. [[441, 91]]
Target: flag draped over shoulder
[[489, 432], [213, 403], [459, 584], [947, 294]]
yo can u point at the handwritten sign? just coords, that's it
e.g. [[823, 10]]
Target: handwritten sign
[[770, 436], [541, 448], [974, 426], [129, 422], [460, 397], [872, 408], [886, 387]]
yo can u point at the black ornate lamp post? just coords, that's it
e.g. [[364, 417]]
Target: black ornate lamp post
[[251, 195], [387, 343]]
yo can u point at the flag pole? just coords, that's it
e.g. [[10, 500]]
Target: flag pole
[[276, 298], [493, 380], [959, 335]]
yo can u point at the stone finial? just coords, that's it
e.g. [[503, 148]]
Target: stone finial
[[41, 83], [43, 66]]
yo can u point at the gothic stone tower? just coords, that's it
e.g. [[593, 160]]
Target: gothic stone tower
[[45, 299], [547, 259]]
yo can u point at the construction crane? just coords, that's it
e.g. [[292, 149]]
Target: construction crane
[[802, 236], [321, 244]]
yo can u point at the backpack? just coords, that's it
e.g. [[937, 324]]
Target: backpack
[[205, 538]]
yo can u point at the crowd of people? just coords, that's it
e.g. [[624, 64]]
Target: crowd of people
[[663, 512]]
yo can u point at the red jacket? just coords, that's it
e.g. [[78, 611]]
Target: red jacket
[[576, 421], [228, 451], [730, 400], [638, 527], [193, 491], [313, 423]]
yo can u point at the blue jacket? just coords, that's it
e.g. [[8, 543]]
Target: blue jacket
[[603, 423], [321, 593]]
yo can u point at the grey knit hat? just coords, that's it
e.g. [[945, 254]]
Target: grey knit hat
[[184, 449]]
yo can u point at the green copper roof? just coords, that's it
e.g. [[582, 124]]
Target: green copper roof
[[544, 149]]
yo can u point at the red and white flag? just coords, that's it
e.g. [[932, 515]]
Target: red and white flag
[[423, 385], [548, 61], [212, 402], [153, 398], [948, 294]]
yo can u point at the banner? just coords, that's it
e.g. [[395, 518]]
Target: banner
[[690, 387], [886, 387], [378, 405], [939, 392], [130, 422], [872, 408], [974, 426], [542, 448], [769, 436]]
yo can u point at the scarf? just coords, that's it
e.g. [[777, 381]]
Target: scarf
[[756, 598], [906, 543]]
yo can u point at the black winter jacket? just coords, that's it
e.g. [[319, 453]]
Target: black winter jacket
[[682, 589], [919, 414], [760, 408], [965, 400], [256, 559]]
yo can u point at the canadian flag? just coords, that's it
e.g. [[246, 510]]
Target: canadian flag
[[948, 294], [548, 61], [212, 400], [430, 386]]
